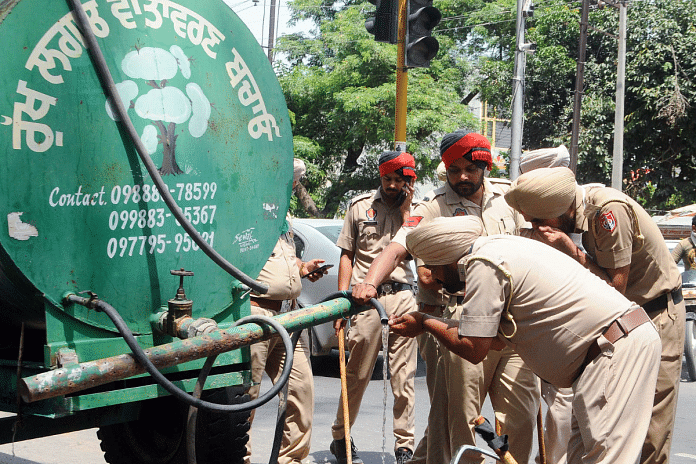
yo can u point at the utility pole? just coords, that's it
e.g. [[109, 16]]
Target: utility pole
[[577, 104], [524, 10], [401, 79], [271, 31], [617, 162]]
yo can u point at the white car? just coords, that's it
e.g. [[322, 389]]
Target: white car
[[316, 238]]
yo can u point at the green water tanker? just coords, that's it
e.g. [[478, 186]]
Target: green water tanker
[[85, 220]]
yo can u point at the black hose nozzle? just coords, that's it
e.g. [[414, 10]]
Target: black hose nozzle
[[383, 318]]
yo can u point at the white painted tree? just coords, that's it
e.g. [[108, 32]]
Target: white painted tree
[[166, 106]]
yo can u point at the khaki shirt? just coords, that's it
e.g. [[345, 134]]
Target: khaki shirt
[[685, 250], [369, 226], [281, 272], [497, 216], [559, 308], [619, 232]]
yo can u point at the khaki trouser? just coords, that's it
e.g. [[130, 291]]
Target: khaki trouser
[[460, 389], [612, 398], [364, 343], [268, 356], [557, 422], [670, 326], [430, 352]]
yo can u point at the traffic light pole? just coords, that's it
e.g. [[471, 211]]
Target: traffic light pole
[[401, 81]]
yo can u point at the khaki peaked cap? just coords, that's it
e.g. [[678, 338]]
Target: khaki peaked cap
[[444, 240], [543, 193]]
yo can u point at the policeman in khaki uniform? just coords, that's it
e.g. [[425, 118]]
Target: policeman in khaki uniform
[[282, 273], [624, 246], [370, 223], [457, 387], [686, 249], [569, 326]]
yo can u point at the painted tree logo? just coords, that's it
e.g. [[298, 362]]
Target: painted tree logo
[[164, 105]]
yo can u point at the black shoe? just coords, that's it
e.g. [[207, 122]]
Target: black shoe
[[338, 449], [403, 455]]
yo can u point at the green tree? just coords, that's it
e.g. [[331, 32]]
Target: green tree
[[660, 111], [340, 87]]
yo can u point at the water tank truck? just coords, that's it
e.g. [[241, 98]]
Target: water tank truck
[[146, 174]]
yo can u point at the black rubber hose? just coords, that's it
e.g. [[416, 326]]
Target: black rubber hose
[[198, 391], [383, 318], [111, 91], [192, 415], [178, 393]]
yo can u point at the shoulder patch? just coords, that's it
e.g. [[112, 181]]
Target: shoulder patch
[[413, 221], [608, 221]]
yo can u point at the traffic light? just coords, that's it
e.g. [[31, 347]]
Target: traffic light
[[420, 47], [384, 24]]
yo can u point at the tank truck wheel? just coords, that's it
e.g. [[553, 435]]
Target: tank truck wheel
[[690, 349], [158, 436], [222, 438]]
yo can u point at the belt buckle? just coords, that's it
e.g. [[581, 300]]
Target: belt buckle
[[387, 288]]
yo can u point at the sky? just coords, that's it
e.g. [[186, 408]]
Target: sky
[[255, 15]]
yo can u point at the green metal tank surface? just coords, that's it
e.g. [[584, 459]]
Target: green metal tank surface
[[78, 210]]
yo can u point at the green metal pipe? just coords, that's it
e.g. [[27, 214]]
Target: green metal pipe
[[90, 374]]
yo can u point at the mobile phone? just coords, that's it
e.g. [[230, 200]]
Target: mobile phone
[[319, 270], [403, 192]]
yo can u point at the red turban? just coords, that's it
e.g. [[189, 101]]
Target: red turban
[[391, 161], [472, 146]]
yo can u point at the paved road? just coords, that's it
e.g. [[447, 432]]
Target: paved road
[[83, 447]]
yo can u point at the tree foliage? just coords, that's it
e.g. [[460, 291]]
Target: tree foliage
[[340, 86], [660, 94]]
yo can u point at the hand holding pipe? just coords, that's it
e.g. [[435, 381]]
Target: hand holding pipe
[[383, 318]]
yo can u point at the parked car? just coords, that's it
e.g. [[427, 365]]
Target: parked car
[[316, 238]]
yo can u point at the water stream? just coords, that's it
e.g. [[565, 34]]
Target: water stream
[[385, 370]]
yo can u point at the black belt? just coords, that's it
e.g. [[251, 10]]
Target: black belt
[[621, 327], [389, 288], [660, 303]]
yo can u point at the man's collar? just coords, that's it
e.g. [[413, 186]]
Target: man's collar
[[580, 207], [379, 195]]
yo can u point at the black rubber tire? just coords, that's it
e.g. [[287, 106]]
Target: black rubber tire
[[158, 436], [690, 349]]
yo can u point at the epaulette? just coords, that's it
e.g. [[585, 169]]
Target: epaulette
[[499, 184], [361, 197], [431, 195]]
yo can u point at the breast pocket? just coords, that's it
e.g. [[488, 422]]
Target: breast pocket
[[369, 234], [508, 225]]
